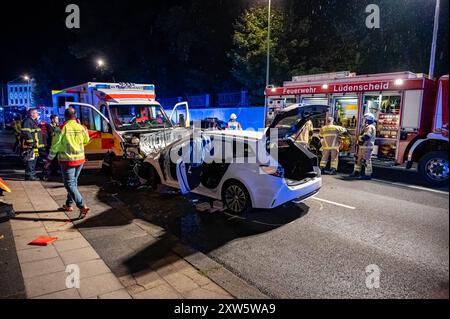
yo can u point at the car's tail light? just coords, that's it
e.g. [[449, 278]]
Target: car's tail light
[[272, 170]]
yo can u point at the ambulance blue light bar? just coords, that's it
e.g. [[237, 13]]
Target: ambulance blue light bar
[[124, 86]]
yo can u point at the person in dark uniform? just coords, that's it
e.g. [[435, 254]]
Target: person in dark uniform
[[32, 142]]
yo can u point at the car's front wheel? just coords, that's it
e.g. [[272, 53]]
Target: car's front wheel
[[236, 198]]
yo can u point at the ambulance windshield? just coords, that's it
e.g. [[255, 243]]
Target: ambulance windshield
[[138, 117]]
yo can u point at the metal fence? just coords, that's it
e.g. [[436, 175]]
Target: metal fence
[[228, 99]]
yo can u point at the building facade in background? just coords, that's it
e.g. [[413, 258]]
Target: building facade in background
[[19, 93]]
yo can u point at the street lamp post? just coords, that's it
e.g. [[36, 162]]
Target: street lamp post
[[433, 43], [267, 60], [268, 44], [27, 78]]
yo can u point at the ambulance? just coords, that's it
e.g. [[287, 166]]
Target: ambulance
[[125, 123], [411, 112]]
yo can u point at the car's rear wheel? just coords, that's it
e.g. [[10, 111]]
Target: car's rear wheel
[[236, 198]]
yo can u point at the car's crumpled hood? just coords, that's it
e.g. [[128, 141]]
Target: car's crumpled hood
[[150, 143]]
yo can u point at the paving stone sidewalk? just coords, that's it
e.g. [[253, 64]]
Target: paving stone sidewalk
[[166, 275]]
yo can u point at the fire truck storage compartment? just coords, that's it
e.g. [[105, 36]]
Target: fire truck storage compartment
[[385, 107]]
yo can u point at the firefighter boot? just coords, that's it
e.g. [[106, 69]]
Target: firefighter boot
[[333, 171]]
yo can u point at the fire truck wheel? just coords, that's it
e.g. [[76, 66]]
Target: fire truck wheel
[[434, 168]]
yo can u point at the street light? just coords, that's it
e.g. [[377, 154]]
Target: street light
[[28, 79], [433, 43], [100, 63]]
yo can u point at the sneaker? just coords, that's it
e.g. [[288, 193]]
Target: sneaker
[[83, 212], [66, 208]]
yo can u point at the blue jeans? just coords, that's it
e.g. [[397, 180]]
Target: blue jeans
[[70, 177], [30, 169]]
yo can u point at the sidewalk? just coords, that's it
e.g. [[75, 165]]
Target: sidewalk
[[120, 255], [43, 268]]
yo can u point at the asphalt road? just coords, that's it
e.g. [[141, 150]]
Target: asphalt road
[[321, 248]]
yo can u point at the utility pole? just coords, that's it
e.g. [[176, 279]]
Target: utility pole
[[267, 59], [268, 45], [433, 43]]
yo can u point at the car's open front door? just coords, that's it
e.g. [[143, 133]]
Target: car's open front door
[[180, 116], [100, 133]]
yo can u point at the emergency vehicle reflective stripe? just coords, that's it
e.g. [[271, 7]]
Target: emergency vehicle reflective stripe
[[110, 97]]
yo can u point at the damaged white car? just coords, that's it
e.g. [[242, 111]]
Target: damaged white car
[[243, 169]]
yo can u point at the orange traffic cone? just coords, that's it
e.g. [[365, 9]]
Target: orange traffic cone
[[4, 186]]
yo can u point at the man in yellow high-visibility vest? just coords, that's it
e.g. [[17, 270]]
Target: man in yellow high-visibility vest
[[69, 146], [330, 135]]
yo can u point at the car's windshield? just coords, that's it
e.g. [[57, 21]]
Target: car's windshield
[[138, 117]]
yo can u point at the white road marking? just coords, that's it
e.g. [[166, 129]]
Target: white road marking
[[412, 186], [332, 203]]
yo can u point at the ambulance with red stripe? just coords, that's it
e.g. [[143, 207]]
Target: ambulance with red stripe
[[411, 111], [125, 123]]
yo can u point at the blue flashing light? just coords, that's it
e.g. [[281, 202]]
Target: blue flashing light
[[149, 88], [102, 86]]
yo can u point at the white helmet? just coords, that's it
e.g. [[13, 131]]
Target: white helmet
[[233, 117], [369, 116]]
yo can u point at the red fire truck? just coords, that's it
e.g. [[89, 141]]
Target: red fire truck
[[411, 112]]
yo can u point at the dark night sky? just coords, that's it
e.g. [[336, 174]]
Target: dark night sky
[[134, 38]]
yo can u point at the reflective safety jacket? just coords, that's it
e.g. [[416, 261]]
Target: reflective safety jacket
[[69, 144], [17, 127], [31, 135], [305, 133], [367, 137], [330, 136]]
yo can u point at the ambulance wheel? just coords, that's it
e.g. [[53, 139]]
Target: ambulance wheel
[[236, 198], [433, 167]]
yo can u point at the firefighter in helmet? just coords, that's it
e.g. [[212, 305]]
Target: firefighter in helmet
[[305, 134], [366, 142], [330, 136], [233, 124]]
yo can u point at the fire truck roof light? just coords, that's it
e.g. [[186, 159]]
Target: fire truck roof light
[[149, 87], [399, 82], [273, 89], [102, 86], [325, 86]]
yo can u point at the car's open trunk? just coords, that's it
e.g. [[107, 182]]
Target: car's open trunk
[[297, 161]]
